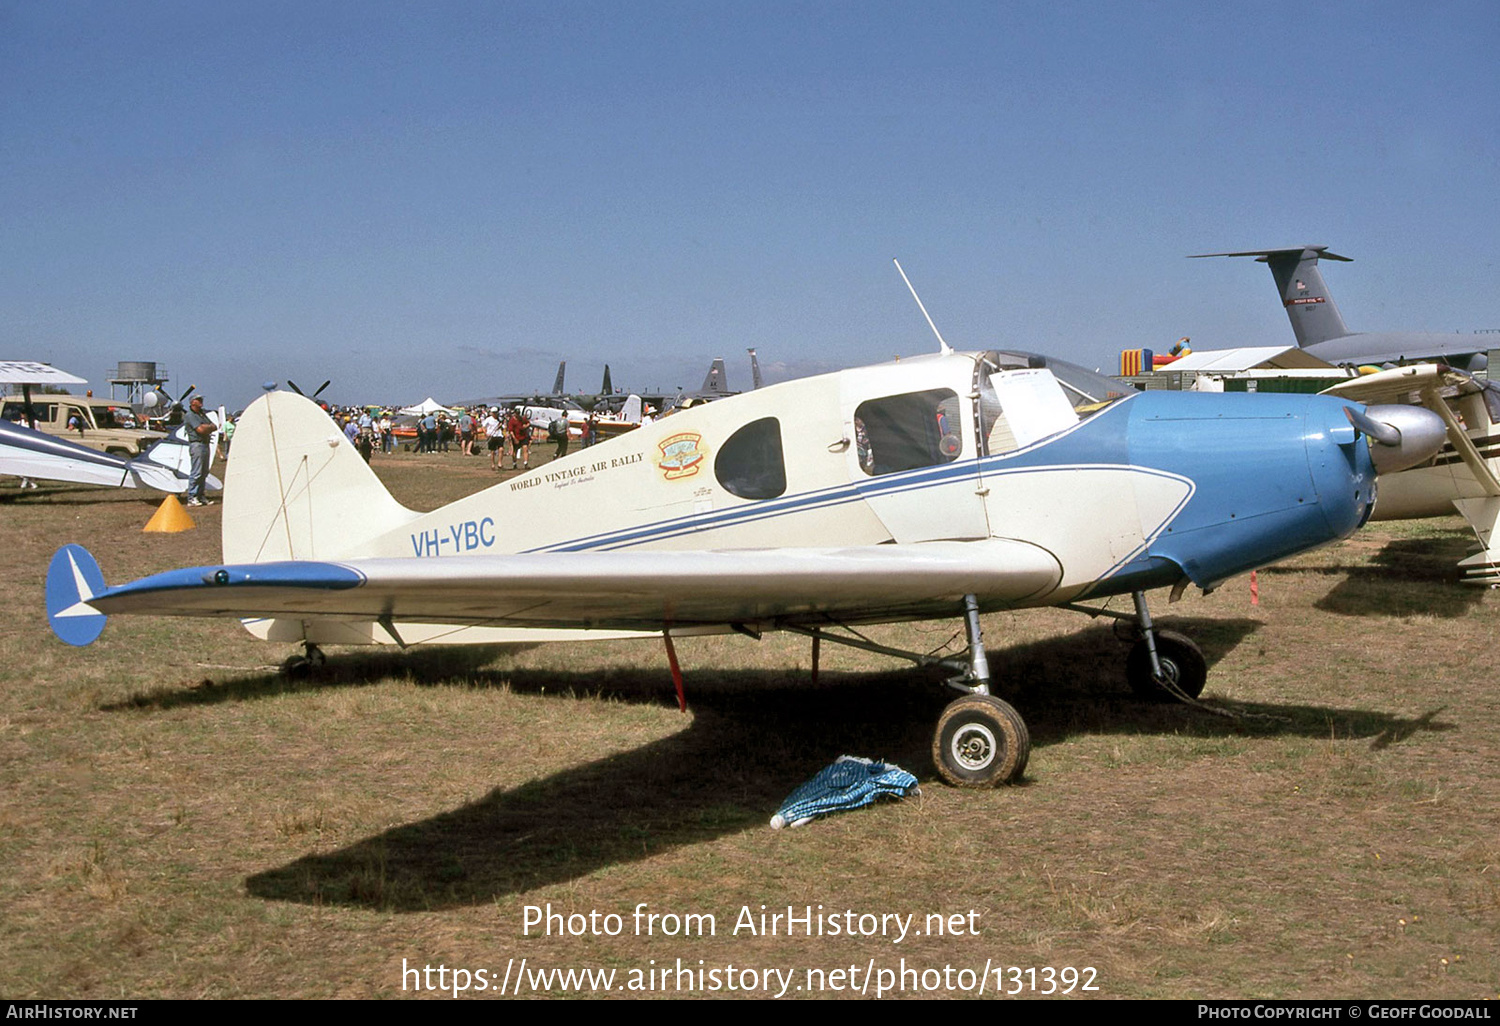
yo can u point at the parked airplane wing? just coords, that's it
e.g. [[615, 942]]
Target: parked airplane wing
[[1395, 385], [609, 590], [32, 454]]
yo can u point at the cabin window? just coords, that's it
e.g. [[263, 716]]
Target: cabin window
[[905, 432], [750, 462]]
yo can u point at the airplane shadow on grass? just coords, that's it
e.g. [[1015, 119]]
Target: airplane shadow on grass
[[1407, 577], [753, 738], [359, 668], [64, 495]]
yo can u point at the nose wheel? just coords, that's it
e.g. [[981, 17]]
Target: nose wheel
[[981, 741], [1184, 670]]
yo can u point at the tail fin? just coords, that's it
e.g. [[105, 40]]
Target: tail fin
[[606, 388], [557, 386], [1309, 307], [755, 381], [718, 378], [296, 488]]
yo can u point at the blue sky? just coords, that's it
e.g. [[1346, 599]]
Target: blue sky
[[448, 198]]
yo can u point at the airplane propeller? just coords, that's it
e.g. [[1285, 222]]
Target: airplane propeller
[[1401, 436], [314, 397], [294, 388], [155, 405]]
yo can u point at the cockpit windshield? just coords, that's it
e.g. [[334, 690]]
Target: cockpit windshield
[[1019, 404], [1088, 390]]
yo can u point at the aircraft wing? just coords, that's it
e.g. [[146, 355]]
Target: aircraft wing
[[600, 590], [1396, 385], [28, 453]]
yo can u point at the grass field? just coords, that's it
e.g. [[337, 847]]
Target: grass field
[[181, 821]]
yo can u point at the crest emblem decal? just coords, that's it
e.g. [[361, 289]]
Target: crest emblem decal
[[682, 455]]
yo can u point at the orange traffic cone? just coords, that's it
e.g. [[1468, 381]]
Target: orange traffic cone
[[170, 517]]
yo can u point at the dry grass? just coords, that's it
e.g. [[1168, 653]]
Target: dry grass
[[180, 821]]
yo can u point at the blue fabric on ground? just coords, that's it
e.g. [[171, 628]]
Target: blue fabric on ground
[[851, 782]]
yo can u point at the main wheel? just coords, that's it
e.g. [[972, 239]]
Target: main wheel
[[1182, 664], [980, 742]]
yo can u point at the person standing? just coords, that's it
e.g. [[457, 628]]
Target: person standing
[[200, 431], [519, 430], [494, 438], [465, 432]]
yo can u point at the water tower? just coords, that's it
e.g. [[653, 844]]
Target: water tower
[[137, 377]]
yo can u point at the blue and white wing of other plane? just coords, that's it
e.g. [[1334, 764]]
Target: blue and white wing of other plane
[[32, 454]]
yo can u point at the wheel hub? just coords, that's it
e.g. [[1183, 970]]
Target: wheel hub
[[974, 747]]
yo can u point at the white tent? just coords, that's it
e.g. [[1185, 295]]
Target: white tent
[[30, 372], [426, 406]]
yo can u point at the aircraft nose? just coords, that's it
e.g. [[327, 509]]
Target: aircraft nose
[[1400, 436]]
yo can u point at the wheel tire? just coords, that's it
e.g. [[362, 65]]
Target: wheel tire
[[1181, 660], [980, 741]]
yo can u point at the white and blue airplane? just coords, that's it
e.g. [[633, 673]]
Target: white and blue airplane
[[946, 485], [33, 455]]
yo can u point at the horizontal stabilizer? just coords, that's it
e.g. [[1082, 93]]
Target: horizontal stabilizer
[[73, 580], [1289, 251]]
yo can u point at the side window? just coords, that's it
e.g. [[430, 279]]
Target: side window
[[905, 432], [750, 462]]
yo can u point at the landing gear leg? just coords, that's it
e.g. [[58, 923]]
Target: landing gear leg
[[980, 741], [977, 680], [1164, 664]]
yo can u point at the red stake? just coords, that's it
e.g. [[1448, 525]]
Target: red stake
[[676, 671]]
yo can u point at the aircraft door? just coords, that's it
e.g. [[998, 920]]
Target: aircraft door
[[912, 459]]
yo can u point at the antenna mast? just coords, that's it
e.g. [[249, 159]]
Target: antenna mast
[[945, 348]]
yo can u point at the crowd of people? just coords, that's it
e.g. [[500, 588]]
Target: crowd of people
[[506, 436]]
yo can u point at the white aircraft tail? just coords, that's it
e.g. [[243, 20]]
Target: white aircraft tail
[[296, 488]]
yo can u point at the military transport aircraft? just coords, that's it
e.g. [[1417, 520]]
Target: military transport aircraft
[[945, 485], [1320, 328]]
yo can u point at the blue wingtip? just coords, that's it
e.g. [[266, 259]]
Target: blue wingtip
[[73, 578]]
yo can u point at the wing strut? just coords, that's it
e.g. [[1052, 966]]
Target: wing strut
[[972, 672]]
